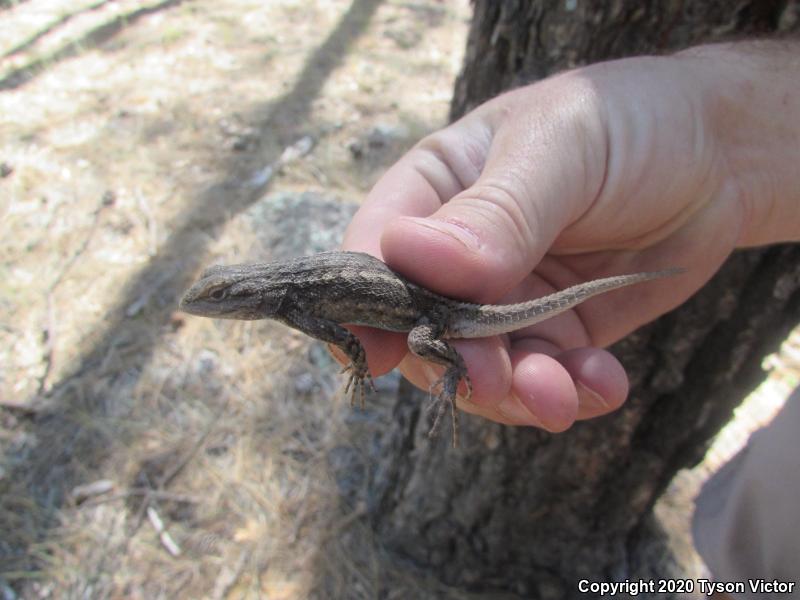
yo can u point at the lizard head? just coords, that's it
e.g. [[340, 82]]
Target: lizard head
[[231, 292]]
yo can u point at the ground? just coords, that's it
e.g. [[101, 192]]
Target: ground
[[146, 454]]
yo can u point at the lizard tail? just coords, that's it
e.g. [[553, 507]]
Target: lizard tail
[[474, 320]]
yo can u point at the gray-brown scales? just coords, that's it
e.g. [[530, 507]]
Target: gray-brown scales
[[318, 294]]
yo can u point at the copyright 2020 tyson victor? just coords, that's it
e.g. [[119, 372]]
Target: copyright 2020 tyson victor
[[684, 586]]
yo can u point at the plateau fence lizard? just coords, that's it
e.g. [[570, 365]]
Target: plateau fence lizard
[[318, 294]]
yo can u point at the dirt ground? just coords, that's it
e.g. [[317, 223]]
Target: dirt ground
[[133, 134], [150, 455]]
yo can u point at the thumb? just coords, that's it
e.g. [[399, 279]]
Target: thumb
[[488, 237]]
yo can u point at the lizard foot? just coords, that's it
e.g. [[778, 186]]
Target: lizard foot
[[359, 379], [445, 399]]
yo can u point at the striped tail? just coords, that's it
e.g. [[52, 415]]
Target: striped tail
[[475, 320]]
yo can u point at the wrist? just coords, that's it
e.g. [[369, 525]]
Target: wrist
[[751, 98]]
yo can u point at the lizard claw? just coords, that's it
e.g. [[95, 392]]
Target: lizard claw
[[445, 399], [440, 405], [358, 380]]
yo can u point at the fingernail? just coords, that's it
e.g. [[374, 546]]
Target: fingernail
[[454, 229], [514, 410], [588, 398]]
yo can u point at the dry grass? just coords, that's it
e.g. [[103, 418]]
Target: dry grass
[[134, 132]]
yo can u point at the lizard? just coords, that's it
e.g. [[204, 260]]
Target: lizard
[[318, 294]]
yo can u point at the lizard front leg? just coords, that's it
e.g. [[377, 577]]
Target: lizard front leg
[[425, 341], [333, 333]]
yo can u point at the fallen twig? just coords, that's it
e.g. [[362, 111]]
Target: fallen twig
[[163, 535]]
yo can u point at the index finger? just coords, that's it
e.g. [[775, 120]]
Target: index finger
[[416, 186]]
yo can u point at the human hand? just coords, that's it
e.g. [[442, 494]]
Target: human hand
[[616, 168]]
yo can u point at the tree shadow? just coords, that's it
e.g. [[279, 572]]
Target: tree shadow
[[6, 4], [92, 39], [71, 448], [52, 27]]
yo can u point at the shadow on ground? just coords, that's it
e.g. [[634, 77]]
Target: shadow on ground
[[60, 22], [71, 449], [97, 36]]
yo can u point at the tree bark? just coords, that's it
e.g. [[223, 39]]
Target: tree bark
[[524, 512], [514, 42]]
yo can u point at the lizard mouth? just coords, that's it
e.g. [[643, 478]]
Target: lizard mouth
[[193, 305], [187, 306], [202, 309]]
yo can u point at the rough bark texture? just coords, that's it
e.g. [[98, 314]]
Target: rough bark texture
[[523, 512], [513, 42]]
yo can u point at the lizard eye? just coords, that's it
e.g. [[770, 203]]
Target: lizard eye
[[218, 294]]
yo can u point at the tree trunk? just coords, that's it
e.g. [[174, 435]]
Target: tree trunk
[[514, 42], [521, 511]]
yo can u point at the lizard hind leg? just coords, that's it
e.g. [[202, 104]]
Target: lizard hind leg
[[424, 341]]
